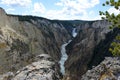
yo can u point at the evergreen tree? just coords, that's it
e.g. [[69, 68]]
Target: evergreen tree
[[115, 20]]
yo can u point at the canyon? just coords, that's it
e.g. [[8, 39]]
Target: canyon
[[31, 47]]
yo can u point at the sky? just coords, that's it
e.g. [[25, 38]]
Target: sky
[[57, 9]]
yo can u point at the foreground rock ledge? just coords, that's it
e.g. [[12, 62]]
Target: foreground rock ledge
[[109, 69], [44, 69]]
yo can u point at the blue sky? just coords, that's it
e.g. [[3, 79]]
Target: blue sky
[[57, 9]]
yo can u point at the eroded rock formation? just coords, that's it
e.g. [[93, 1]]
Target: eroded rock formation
[[24, 37], [109, 69], [89, 48]]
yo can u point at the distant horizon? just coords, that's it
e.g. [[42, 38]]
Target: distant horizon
[[87, 10], [53, 19]]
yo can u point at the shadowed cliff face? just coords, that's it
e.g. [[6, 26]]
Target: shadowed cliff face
[[24, 37], [88, 48]]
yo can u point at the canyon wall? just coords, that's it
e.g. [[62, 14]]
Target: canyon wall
[[24, 37], [88, 48]]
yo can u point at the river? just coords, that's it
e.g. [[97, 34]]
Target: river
[[63, 53]]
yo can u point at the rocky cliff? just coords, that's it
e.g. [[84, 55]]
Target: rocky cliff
[[89, 48], [24, 37], [109, 69], [44, 68]]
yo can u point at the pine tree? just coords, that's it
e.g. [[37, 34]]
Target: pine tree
[[115, 20]]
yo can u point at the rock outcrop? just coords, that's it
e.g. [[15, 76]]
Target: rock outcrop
[[45, 68], [109, 69]]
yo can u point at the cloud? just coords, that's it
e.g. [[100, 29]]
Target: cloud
[[77, 6], [62, 15], [22, 3], [38, 8], [67, 9], [10, 9], [113, 10], [72, 9]]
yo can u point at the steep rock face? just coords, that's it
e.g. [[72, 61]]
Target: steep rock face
[[45, 68], [109, 69], [81, 50], [24, 37]]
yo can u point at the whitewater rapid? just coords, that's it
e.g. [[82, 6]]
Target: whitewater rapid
[[64, 54], [63, 58]]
